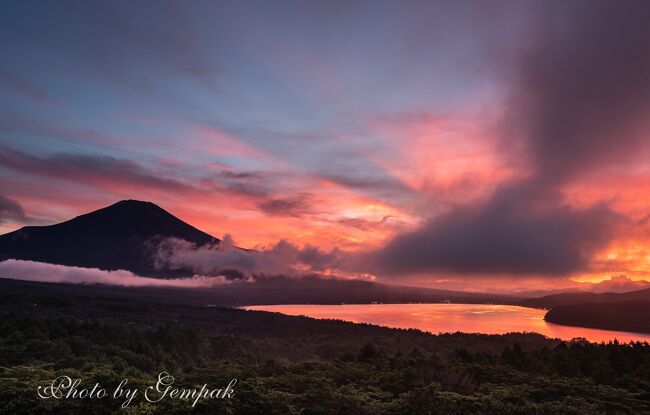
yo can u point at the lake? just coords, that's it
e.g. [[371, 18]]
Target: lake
[[449, 318]]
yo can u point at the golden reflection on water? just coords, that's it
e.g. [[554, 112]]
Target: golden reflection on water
[[449, 318]]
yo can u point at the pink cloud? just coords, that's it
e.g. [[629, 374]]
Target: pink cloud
[[42, 272], [281, 258]]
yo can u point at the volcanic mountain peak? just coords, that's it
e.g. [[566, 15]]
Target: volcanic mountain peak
[[114, 237], [135, 217]]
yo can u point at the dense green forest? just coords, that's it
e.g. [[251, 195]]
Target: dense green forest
[[297, 365]]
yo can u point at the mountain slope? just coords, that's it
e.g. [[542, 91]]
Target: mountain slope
[[114, 237], [551, 301]]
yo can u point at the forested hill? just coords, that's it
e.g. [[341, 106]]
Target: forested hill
[[628, 311], [623, 316], [276, 290], [297, 365]]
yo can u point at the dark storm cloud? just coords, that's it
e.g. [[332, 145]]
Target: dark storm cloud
[[584, 87], [579, 102], [507, 236], [11, 210]]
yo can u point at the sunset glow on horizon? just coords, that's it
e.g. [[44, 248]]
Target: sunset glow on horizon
[[489, 146]]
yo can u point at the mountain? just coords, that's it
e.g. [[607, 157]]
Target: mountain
[[614, 284], [115, 237], [124, 235], [555, 300]]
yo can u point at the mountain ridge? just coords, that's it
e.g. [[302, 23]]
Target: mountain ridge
[[577, 298], [118, 236]]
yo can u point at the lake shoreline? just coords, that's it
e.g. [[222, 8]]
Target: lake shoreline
[[492, 319]]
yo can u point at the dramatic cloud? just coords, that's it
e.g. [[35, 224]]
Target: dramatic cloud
[[580, 104], [584, 92], [503, 237], [228, 260], [145, 103], [95, 169], [113, 173], [616, 284], [39, 271], [10, 209], [267, 128]]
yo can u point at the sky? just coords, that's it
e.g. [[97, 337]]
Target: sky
[[456, 144]]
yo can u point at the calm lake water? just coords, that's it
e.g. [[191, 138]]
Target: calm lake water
[[444, 318]]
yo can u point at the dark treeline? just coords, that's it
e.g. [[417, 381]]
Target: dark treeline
[[297, 365], [275, 290], [629, 311], [625, 315]]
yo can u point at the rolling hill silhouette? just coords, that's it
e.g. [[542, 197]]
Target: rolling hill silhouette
[[115, 237], [575, 298]]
